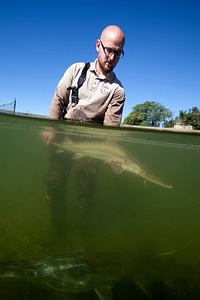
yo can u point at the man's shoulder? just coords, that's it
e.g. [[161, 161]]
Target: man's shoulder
[[74, 70], [77, 66], [80, 65]]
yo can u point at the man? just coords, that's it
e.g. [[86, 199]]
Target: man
[[101, 97], [100, 100]]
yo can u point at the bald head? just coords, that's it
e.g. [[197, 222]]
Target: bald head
[[109, 48], [115, 34]]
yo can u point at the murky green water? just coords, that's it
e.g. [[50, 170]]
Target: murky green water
[[154, 230]]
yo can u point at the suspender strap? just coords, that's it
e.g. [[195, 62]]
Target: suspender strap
[[83, 75], [74, 89]]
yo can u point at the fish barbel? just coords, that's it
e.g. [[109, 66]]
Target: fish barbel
[[112, 154]]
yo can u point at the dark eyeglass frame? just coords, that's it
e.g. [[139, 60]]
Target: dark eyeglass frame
[[109, 51]]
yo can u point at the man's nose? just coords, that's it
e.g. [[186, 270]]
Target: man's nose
[[112, 56]]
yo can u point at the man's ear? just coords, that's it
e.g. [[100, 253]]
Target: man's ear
[[98, 44]]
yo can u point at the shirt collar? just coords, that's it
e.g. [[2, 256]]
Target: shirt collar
[[108, 77]]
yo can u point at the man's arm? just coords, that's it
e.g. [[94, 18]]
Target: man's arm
[[113, 114], [60, 99]]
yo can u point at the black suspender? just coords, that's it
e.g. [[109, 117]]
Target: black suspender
[[74, 89]]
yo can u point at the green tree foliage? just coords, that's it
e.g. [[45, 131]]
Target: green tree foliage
[[169, 123], [149, 113], [192, 117]]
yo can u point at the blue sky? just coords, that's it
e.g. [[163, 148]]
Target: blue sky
[[40, 39]]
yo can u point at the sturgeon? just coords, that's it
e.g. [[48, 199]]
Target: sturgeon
[[72, 272], [112, 154], [80, 272]]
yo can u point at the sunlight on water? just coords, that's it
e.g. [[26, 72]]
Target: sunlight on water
[[73, 195]]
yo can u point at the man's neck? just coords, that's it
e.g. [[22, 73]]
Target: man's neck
[[99, 70]]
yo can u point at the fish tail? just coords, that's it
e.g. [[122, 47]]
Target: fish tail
[[15, 270]]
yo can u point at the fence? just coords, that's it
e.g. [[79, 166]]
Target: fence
[[10, 103]]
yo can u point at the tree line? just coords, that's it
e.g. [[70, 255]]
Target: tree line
[[151, 113]]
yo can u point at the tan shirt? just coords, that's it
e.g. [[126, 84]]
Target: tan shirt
[[101, 98]]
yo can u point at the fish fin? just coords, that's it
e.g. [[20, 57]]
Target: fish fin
[[104, 293], [116, 167], [59, 151], [67, 141], [78, 156]]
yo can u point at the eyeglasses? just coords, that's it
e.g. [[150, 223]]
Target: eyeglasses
[[109, 51]]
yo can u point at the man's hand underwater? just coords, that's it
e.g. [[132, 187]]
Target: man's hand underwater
[[48, 136]]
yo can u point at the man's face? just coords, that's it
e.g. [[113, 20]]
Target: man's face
[[108, 55]]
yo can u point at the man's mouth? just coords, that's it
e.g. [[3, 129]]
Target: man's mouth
[[109, 63]]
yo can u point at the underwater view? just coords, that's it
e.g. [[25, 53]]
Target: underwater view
[[99, 212]]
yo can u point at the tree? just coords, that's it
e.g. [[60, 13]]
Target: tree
[[150, 113], [169, 123], [192, 117]]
